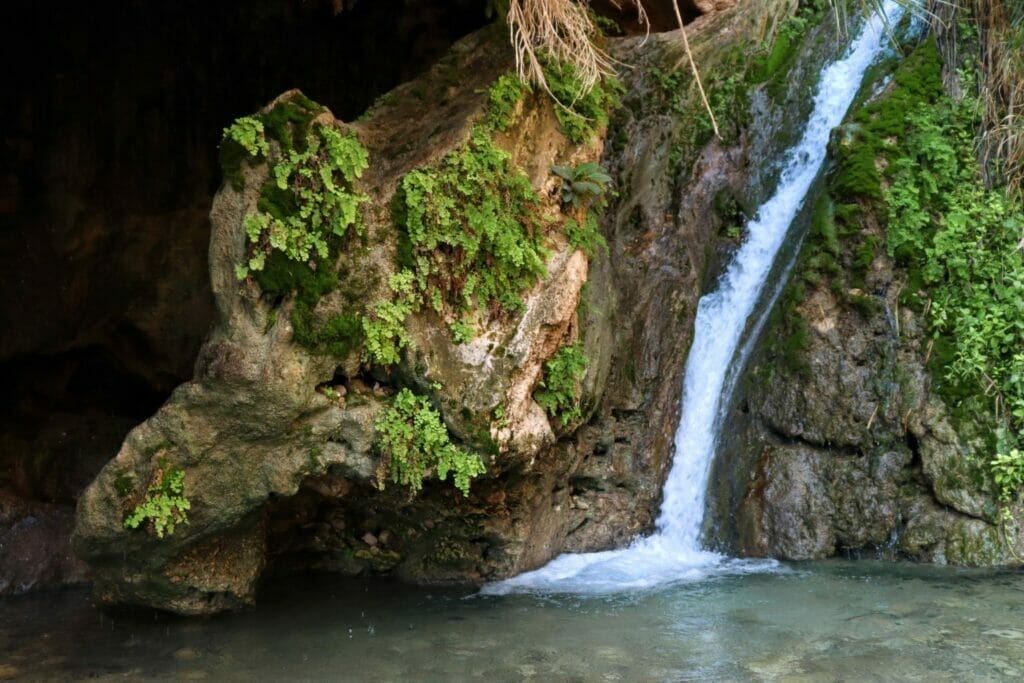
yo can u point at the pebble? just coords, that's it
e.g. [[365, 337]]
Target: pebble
[[369, 539], [1004, 633]]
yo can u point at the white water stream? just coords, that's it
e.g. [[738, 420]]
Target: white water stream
[[674, 553]]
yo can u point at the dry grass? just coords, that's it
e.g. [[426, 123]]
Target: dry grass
[[563, 30], [560, 29], [1001, 27]]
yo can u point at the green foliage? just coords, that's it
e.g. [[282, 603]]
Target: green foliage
[[1008, 473], [473, 236], [580, 114], [559, 388], [384, 327], [585, 235], [583, 189], [779, 60], [249, 133], [165, 505], [338, 336], [413, 440], [309, 199], [462, 332], [503, 97], [913, 154], [583, 184]]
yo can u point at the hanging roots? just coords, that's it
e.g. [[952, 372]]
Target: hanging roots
[[561, 30]]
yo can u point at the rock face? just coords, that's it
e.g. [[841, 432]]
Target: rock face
[[851, 451], [34, 548], [282, 473], [837, 441]]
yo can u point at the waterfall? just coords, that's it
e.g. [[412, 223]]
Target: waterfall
[[674, 553]]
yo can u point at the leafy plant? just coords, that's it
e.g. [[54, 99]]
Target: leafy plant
[[473, 237], [310, 198], [503, 97], [1008, 473], [413, 441], [384, 327], [583, 184], [583, 190], [580, 111], [462, 332], [248, 132], [958, 240], [165, 505], [558, 394]]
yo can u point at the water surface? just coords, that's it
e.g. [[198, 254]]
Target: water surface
[[828, 621]]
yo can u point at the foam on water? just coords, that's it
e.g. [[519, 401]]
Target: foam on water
[[674, 553]]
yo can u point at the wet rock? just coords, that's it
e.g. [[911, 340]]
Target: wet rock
[[35, 548], [262, 449], [840, 443]]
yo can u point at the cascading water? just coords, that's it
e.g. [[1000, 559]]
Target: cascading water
[[674, 552]]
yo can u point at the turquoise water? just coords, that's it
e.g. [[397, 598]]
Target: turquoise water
[[830, 621]]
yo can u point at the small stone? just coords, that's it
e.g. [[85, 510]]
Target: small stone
[[1007, 633], [384, 537], [429, 524], [582, 504], [341, 389], [369, 539]]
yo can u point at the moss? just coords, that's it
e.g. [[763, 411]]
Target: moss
[[282, 276], [917, 83], [581, 114], [289, 120], [863, 256], [503, 98], [124, 483], [337, 336]]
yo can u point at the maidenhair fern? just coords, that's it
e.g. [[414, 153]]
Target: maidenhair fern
[[165, 505], [309, 199], [413, 441], [558, 393]]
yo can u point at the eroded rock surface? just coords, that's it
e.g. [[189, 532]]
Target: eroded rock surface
[[280, 474], [838, 441]]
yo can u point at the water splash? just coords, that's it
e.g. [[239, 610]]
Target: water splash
[[674, 553]]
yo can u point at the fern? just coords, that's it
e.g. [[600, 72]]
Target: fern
[[558, 394], [413, 441], [472, 228], [165, 505]]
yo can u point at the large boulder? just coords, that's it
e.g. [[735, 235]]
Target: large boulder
[[274, 445]]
